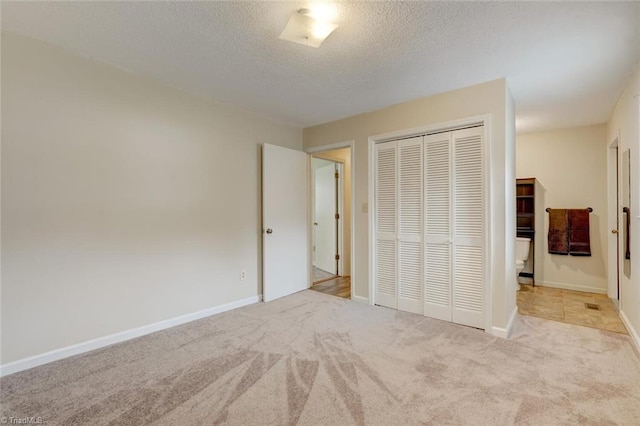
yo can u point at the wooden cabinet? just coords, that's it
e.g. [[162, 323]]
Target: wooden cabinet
[[526, 218]]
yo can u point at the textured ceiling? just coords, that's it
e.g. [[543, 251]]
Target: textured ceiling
[[566, 63]]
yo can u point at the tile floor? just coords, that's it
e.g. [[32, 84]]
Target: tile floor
[[569, 307]]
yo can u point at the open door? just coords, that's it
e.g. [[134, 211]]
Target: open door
[[285, 243], [326, 219], [613, 182]]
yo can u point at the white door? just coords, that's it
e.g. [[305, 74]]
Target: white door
[[284, 221], [386, 205], [410, 265], [325, 229], [614, 221], [438, 229], [399, 225], [454, 227], [468, 220]]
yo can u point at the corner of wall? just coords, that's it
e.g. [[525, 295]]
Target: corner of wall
[[633, 333], [504, 220], [510, 205], [505, 332]]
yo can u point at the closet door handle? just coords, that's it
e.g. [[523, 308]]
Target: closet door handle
[[614, 231]]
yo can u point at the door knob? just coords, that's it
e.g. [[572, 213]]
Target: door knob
[[269, 231], [614, 231]]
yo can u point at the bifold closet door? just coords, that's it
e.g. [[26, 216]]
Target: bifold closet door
[[386, 205], [429, 230], [398, 227], [468, 236], [410, 265], [454, 227], [438, 226]]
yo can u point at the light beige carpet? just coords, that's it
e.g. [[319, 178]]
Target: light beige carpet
[[314, 359]]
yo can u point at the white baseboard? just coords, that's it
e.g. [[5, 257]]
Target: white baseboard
[[635, 337], [100, 342], [573, 287], [360, 299], [506, 332]]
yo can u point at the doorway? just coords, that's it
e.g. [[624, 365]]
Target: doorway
[[326, 219], [331, 222], [614, 221]]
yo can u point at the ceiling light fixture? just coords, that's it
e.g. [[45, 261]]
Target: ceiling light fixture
[[309, 26]]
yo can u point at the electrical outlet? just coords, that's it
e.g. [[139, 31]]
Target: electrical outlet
[[243, 275]]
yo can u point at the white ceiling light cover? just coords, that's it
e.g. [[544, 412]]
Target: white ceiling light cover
[[304, 29]]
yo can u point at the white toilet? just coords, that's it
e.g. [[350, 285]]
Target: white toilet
[[522, 254]]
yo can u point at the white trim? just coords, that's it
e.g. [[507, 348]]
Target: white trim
[[485, 121], [613, 206], [506, 332], [431, 128], [487, 152], [340, 167], [100, 342], [371, 207], [352, 146], [311, 206], [354, 210], [328, 147], [360, 299], [635, 337], [565, 286]]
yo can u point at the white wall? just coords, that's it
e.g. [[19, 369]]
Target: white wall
[[487, 98], [510, 209], [124, 202], [343, 155], [571, 172], [625, 120]]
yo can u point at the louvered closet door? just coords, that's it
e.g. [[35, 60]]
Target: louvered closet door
[[386, 193], [410, 263], [468, 233], [438, 228]]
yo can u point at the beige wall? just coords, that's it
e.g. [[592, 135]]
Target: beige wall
[[124, 202], [510, 206], [571, 172], [625, 120], [343, 155], [487, 98]]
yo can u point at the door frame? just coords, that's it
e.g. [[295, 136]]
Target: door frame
[[613, 209], [352, 267], [485, 121]]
